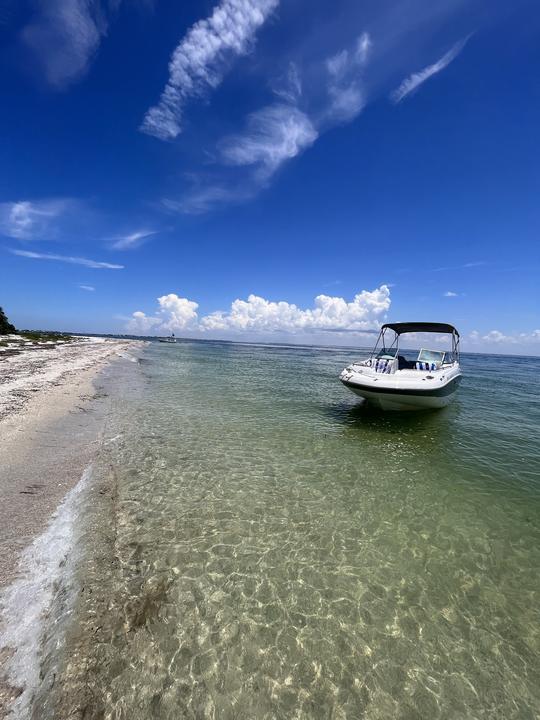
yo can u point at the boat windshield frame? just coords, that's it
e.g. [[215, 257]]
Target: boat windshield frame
[[403, 329]]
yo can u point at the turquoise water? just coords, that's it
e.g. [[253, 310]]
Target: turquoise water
[[272, 549]]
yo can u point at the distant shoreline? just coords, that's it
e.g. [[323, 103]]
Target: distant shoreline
[[291, 345]]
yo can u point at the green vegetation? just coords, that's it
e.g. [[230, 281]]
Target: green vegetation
[[44, 336], [6, 328]]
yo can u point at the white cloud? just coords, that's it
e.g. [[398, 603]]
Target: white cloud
[[274, 134], [67, 259], [175, 313], [142, 324], [347, 97], [281, 131], [88, 288], [450, 293], [289, 88], [202, 198], [64, 35], [29, 220], [496, 337], [416, 79], [363, 313], [131, 241], [199, 62]]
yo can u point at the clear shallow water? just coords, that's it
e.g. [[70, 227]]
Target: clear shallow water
[[270, 549]]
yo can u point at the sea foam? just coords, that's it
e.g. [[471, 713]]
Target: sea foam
[[25, 604]]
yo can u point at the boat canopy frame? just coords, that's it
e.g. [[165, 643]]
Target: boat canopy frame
[[412, 327]]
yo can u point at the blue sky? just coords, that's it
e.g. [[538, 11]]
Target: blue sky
[[271, 169]]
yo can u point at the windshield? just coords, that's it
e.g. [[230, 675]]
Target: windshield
[[387, 353], [431, 356]]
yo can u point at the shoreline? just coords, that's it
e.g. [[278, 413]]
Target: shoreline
[[52, 416]]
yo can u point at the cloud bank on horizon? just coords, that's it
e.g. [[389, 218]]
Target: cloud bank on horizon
[[259, 317], [256, 314]]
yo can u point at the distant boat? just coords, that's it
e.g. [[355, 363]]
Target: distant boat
[[391, 382], [171, 339]]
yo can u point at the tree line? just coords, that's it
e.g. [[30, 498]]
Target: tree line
[[6, 327]]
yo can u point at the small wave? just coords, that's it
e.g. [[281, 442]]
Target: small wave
[[24, 605]]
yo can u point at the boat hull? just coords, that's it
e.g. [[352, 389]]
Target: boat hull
[[394, 398]]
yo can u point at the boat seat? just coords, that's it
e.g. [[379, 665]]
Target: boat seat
[[382, 366], [426, 365], [404, 364]]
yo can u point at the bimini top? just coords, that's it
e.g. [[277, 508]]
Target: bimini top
[[409, 327]]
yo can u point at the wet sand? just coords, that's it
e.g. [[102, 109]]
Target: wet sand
[[50, 421], [52, 415]]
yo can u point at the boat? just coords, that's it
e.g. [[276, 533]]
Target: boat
[[170, 339], [390, 381]]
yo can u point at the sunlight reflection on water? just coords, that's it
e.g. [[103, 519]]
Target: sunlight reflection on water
[[284, 552]]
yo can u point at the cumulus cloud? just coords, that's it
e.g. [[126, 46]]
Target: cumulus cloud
[[132, 240], [274, 134], [29, 220], [64, 35], [450, 293], [200, 60], [329, 313], [175, 313], [68, 259], [418, 78], [363, 313]]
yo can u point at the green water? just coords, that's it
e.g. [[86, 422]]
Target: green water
[[277, 551]]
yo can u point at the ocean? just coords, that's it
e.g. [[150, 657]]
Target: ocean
[[255, 543]]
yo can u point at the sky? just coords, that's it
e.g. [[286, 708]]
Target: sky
[[271, 170]]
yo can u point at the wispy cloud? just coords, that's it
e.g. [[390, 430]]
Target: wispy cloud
[[203, 197], [273, 135], [344, 83], [450, 294], [289, 86], [279, 132], [320, 83], [29, 220], [132, 240], [64, 35], [88, 288], [467, 265], [67, 259], [201, 59], [418, 78]]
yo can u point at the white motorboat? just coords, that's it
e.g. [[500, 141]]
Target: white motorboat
[[390, 381], [170, 339]]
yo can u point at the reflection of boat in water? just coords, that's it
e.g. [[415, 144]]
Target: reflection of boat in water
[[171, 339], [390, 381]]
